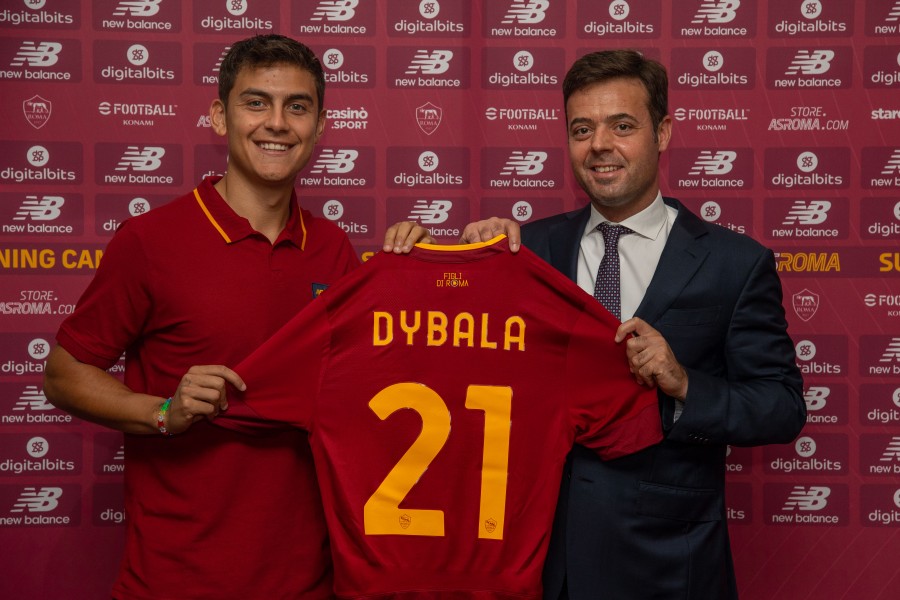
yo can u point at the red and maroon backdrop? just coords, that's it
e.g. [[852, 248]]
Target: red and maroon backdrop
[[787, 128]]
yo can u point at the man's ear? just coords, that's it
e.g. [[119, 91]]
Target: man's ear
[[217, 117]]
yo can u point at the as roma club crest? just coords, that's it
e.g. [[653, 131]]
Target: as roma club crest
[[428, 116], [806, 303], [37, 111]]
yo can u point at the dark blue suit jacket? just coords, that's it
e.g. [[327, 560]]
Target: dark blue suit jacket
[[653, 525]]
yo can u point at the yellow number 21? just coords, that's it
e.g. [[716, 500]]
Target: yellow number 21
[[382, 514]]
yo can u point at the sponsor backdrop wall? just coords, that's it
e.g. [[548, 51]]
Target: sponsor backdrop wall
[[787, 121]]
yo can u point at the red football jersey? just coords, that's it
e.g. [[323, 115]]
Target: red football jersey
[[442, 391]]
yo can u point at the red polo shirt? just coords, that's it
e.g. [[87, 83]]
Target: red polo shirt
[[211, 513]]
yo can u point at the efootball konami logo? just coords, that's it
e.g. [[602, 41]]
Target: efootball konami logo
[[137, 8], [526, 12], [335, 10], [335, 161], [723, 11]]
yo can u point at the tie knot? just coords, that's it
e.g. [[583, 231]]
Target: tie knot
[[611, 233]]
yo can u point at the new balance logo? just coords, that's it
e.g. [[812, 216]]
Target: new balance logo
[[892, 353], [137, 8], [335, 161], [45, 209], [526, 12], [894, 14], [720, 163], [892, 452], [433, 62], [34, 500], [893, 164], [430, 213], [335, 10], [717, 12], [814, 212], [136, 159], [816, 397], [524, 165], [44, 54], [32, 398], [813, 498], [811, 62]]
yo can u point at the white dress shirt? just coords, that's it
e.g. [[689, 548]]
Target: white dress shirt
[[639, 252]]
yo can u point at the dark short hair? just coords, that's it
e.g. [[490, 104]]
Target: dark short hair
[[265, 51], [597, 67]]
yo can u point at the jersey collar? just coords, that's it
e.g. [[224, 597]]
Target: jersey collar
[[233, 227]]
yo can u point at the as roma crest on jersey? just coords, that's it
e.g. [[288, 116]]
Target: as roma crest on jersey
[[37, 111], [806, 303], [428, 116]]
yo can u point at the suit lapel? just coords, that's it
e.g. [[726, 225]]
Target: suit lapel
[[681, 258], [565, 242]]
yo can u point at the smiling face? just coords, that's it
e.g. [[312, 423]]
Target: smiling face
[[613, 148], [272, 122]]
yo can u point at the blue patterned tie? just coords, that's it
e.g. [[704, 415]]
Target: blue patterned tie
[[606, 290]]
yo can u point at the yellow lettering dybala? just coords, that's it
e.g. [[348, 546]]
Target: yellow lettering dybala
[[435, 328]]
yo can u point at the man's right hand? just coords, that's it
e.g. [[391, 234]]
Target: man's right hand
[[482, 231], [200, 395]]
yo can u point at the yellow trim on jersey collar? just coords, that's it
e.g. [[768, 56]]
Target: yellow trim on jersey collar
[[213, 221], [461, 247], [225, 235]]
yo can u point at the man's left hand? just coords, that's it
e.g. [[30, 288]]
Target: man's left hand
[[651, 360]]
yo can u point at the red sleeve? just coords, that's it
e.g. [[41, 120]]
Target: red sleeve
[[113, 310], [282, 375], [613, 415]]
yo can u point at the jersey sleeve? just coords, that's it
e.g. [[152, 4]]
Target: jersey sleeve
[[282, 375], [612, 414], [113, 310]]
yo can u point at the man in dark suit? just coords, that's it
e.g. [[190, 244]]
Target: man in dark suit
[[703, 323]]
